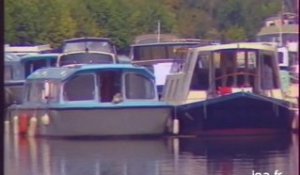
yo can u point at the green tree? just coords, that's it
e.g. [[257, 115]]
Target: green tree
[[235, 34]]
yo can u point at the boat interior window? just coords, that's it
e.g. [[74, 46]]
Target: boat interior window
[[8, 72], [36, 89], [31, 66], [269, 77], [109, 84], [139, 87], [76, 46], [85, 58], [237, 69], [80, 87], [163, 51], [53, 62], [200, 78]]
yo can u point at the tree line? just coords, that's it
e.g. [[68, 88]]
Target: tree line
[[31, 22]]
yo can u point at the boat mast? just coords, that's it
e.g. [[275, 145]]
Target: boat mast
[[158, 31], [281, 24]]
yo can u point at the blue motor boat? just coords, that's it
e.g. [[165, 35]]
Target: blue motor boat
[[90, 100]]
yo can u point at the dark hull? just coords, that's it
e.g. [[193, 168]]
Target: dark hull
[[239, 113]]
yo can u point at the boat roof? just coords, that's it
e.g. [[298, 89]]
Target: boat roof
[[268, 30], [34, 57], [243, 45], [10, 57], [27, 49], [88, 38], [62, 73], [167, 43], [87, 52]]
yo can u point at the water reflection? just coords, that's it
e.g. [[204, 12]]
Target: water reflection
[[169, 156]]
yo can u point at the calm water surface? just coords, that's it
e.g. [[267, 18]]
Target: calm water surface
[[245, 155]]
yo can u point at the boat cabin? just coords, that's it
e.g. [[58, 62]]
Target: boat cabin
[[164, 57], [101, 83], [218, 70], [18, 68], [82, 57], [88, 44], [12, 67]]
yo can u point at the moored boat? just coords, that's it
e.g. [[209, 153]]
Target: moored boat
[[163, 54], [229, 87], [18, 68], [90, 100]]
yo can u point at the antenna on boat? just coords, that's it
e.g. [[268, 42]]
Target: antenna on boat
[[158, 31], [281, 23], [85, 45]]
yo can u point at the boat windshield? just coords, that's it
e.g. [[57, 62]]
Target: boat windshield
[[139, 87], [160, 51], [85, 58], [76, 46], [235, 68], [42, 91]]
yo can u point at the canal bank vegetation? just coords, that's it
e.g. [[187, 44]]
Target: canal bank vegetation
[[29, 22]]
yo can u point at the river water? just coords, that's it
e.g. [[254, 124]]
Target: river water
[[229, 155]]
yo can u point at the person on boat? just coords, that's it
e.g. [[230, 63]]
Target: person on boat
[[227, 68], [267, 80]]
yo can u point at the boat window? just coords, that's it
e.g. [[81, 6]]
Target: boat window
[[76, 46], [80, 87], [31, 66], [280, 58], [237, 69], [217, 59], [8, 72], [200, 78], [293, 58], [36, 91], [139, 87], [53, 62], [176, 67], [85, 58], [251, 55], [162, 51], [269, 77], [241, 59], [109, 84]]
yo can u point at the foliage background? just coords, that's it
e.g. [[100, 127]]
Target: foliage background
[[30, 22]]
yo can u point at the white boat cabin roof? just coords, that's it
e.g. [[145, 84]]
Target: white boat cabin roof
[[267, 46]]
